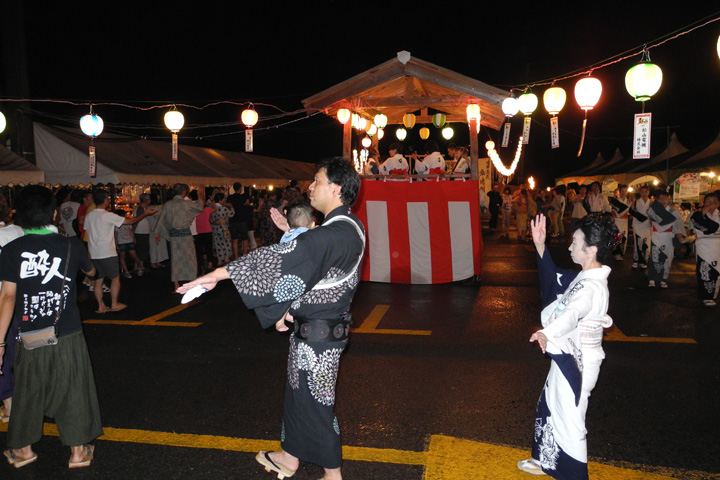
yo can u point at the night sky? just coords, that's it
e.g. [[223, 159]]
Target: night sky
[[275, 54]]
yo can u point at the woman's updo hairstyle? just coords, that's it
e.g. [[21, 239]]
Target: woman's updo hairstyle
[[600, 232]]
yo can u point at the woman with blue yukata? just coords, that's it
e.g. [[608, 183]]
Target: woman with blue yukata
[[573, 318]]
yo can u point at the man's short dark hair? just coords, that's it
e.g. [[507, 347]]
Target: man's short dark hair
[[300, 215], [35, 207], [99, 197], [237, 186], [341, 172]]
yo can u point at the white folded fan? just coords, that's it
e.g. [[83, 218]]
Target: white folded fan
[[193, 293]]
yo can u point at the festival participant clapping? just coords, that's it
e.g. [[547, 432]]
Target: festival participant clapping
[[574, 315]]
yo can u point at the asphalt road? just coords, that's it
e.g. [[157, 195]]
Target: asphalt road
[[433, 374]]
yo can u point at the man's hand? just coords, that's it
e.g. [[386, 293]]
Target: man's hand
[[280, 325]]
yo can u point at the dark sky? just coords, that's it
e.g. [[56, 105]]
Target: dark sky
[[278, 53]]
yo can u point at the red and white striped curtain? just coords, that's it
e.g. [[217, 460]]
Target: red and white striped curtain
[[420, 232]]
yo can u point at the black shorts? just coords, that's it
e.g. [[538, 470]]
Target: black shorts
[[238, 231]]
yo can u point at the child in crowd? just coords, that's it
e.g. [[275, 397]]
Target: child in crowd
[[300, 219], [125, 240]]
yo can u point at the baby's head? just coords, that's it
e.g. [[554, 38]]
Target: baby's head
[[300, 215]]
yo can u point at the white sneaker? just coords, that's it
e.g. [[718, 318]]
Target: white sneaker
[[663, 285], [651, 283], [635, 265], [709, 303], [530, 466]]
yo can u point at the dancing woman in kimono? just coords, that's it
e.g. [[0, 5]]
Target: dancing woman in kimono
[[707, 247], [309, 281], [573, 317]]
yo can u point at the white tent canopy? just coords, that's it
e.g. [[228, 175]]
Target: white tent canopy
[[63, 155], [16, 170]]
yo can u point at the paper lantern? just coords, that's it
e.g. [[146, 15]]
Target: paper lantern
[[361, 123], [354, 120], [409, 120], [554, 100], [424, 133], [249, 117], [587, 92], [380, 133], [448, 132], [380, 120], [643, 81], [372, 130], [489, 145], [174, 120], [366, 142], [527, 103], [3, 122], [438, 120], [401, 133], [473, 111], [91, 125], [343, 115], [510, 106]]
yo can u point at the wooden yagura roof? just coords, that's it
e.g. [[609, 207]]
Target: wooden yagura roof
[[407, 85]]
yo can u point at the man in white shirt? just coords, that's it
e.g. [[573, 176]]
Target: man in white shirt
[[100, 226]]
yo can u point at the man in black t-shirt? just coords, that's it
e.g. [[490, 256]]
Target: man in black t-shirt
[[38, 281]]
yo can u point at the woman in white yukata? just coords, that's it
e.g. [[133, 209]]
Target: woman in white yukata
[[574, 315]]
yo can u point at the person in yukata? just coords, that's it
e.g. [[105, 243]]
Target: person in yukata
[[573, 318], [308, 282]]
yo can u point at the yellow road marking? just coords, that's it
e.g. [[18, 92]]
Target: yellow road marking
[[447, 458], [614, 334], [154, 320], [370, 324]]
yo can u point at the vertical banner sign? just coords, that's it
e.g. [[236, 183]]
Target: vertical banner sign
[[506, 135], [248, 140], [174, 147], [641, 137], [92, 165], [526, 131], [554, 133]]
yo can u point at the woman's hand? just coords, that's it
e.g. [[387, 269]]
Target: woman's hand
[[541, 339], [279, 219], [537, 227]]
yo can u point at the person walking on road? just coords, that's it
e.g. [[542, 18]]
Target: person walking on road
[[573, 317], [309, 281]]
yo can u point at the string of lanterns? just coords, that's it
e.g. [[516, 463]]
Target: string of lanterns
[[495, 158]]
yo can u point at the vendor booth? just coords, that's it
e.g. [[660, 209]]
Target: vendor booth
[[420, 229]]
